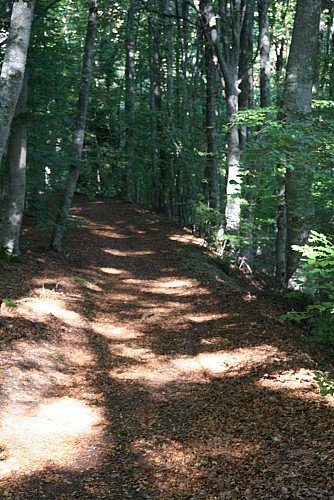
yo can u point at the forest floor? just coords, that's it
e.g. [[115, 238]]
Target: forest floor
[[133, 367]]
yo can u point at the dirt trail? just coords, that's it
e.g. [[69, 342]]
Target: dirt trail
[[133, 367]]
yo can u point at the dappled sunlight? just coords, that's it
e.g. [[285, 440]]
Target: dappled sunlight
[[249, 297], [188, 238], [127, 253], [49, 432], [203, 317], [159, 370], [114, 236], [167, 286], [113, 270], [114, 332], [36, 307], [300, 382]]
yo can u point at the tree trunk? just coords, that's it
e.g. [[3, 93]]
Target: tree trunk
[[130, 101], [246, 96], [296, 109], [167, 167], [331, 81], [211, 170], [79, 131], [155, 104], [13, 67], [231, 15], [16, 178], [264, 47]]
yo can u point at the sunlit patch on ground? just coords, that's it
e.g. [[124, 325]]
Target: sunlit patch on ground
[[201, 318], [297, 381], [106, 233], [47, 306], [114, 332], [160, 370], [113, 270], [171, 287], [127, 253], [187, 238], [36, 434]]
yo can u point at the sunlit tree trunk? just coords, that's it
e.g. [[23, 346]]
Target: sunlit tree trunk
[[79, 131], [13, 66], [16, 178], [226, 45], [264, 48]]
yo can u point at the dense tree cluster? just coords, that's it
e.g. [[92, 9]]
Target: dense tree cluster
[[217, 113]]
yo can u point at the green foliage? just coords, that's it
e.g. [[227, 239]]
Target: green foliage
[[206, 221], [317, 277], [318, 270], [9, 302], [325, 382], [6, 255]]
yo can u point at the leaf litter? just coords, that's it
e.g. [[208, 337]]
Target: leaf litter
[[128, 370]]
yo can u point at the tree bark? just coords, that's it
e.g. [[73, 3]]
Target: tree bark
[[79, 131], [130, 100], [155, 104], [16, 177], [231, 15], [211, 170], [167, 166], [13, 67], [264, 48], [331, 81], [296, 109]]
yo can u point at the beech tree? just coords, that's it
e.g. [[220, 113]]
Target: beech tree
[[14, 187], [225, 42], [79, 131], [13, 66], [130, 100], [296, 109]]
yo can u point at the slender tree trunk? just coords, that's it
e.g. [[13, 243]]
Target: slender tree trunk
[[211, 170], [264, 47], [13, 67], [296, 109], [16, 181], [331, 81], [185, 58], [130, 100], [226, 45], [246, 101], [246, 96], [79, 131], [155, 104], [280, 244], [167, 167]]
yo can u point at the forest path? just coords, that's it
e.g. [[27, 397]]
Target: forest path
[[133, 367]]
